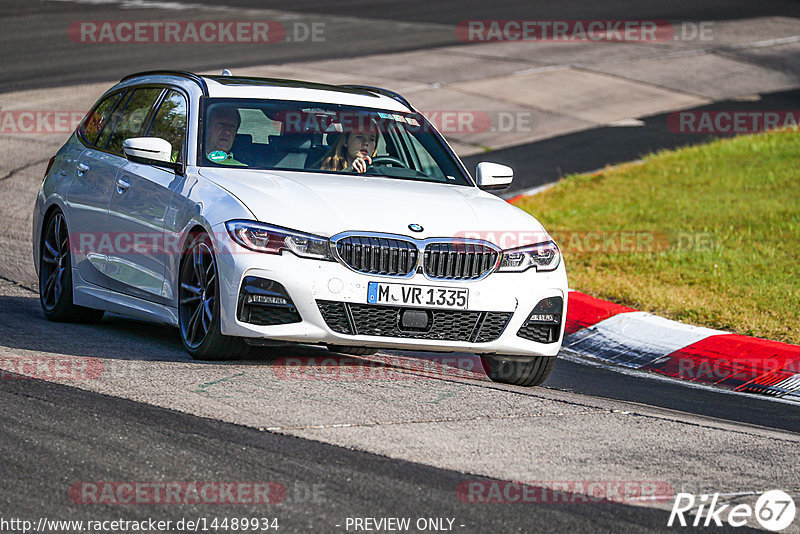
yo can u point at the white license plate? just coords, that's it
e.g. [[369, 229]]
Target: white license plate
[[414, 295]]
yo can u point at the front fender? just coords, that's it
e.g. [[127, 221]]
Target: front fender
[[196, 203]]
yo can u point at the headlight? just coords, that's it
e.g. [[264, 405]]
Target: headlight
[[544, 256], [274, 239]]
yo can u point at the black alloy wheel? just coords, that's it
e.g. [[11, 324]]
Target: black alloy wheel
[[199, 307], [55, 275]]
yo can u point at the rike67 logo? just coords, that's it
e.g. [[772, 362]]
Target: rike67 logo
[[774, 511]]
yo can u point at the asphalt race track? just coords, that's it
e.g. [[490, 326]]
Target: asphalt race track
[[122, 434], [548, 160], [356, 28], [393, 435]]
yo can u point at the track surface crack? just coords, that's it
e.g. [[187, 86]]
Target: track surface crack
[[12, 172]]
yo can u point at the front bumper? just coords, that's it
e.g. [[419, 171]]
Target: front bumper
[[308, 281]]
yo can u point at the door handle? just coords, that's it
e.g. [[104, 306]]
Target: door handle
[[122, 185], [82, 168]]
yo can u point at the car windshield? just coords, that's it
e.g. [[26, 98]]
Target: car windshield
[[328, 138]]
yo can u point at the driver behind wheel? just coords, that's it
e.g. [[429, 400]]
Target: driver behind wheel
[[354, 150], [223, 123]]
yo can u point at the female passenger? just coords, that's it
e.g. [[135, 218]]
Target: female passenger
[[353, 151]]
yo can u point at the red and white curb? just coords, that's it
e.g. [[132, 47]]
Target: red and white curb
[[622, 336]]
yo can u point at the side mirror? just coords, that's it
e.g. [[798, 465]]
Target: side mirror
[[150, 151], [493, 176]]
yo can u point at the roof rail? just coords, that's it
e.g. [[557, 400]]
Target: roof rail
[[281, 82], [183, 74], [384, 92]]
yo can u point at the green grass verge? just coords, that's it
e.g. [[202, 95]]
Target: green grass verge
[[719, 226]]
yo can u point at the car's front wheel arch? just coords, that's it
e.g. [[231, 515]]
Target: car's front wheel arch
[[199, 306]]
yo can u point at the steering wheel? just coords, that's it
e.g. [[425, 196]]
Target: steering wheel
[[383, 160]]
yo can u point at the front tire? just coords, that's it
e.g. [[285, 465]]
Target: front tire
[[518, 370], [55, 275], [198, 305]]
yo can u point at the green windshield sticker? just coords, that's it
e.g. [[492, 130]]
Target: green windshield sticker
[[217, 155]]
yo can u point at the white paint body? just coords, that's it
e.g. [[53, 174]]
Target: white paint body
[[157, 200]]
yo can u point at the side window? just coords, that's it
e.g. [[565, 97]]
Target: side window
[[108, 125], [133, 116], [94, 121], [170, 123]]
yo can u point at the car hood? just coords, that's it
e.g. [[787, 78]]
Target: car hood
[[326, 204]]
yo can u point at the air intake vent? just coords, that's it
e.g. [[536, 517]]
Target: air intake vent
[[444, 325]]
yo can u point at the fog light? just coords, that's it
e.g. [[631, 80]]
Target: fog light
[[543, 325], [265, 302], [549, 305], [265, 299]]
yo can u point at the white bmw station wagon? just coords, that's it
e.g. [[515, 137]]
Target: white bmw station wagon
[[249, 211]]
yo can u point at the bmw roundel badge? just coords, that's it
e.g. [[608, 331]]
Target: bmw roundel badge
[[415, 227]]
